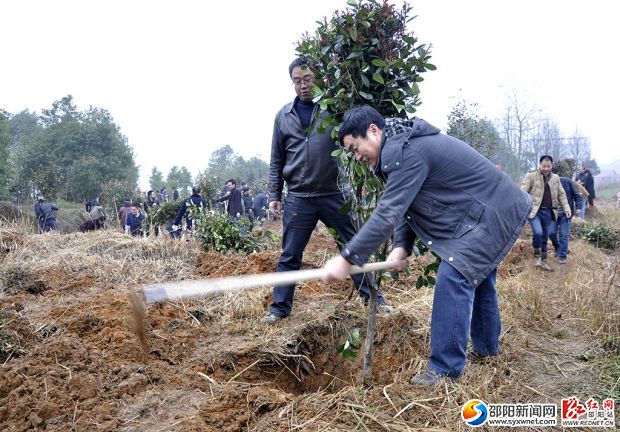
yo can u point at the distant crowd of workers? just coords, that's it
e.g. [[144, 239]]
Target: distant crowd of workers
[[134, 219]]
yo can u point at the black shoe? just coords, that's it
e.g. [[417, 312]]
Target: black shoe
[[562, 260], [271, 318]]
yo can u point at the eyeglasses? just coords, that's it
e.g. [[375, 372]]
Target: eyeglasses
[[307, 81]]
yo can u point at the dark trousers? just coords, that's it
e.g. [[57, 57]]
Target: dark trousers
[[300, 218]]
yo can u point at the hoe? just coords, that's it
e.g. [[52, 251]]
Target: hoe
[[192, 289]]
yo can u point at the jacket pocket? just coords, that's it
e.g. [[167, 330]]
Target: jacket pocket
[[471, 218]]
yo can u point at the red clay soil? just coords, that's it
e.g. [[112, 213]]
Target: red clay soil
[[70, 358]]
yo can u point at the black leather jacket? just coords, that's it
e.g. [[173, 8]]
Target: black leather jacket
[[303, 159]]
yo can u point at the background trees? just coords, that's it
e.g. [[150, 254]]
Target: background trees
[[67, 153], [225, 164], [465, 124], [516, 141]]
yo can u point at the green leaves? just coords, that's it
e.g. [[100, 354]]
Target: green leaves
[[378, 78], [378, 62], [366, 54], [351, 345], [221, 233]]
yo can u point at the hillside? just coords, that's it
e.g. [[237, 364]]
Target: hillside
[[71, 360]]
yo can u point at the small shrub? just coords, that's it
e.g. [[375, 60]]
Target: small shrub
[[600, 235], [221, 233], [165, 213], [351, 346]]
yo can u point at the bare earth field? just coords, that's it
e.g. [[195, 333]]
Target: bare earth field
[[70, 359]]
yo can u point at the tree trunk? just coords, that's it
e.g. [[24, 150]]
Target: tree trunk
[[370, 336]]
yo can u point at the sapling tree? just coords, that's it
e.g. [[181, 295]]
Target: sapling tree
[[366, 54]]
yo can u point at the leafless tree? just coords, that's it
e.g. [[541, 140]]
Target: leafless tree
[[515, 128], [579, 146]]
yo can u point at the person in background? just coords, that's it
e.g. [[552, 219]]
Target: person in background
[[123, 212], [584, 199], [547, 194], [234, 200], [587, 180], [93, 224], [150, 208], [46, 214], [175, 194], [560, 236], [97, 212], [190, 210], [248, 211], [302, 157], [91, 203], [259, 205], [134, 221], [438, 191]]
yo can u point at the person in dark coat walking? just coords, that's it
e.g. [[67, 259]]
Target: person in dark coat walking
[[561, 235], [438, 189], [234, 199], [260, 204], [189, 210], [46, 214], [587, 180]]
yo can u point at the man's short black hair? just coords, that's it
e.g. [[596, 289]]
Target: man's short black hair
[[545, 157], [357, 120], [298, 62], [149, 193], [196, 190], [233, 181]]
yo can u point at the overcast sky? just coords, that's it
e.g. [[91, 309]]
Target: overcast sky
[[184, 78]]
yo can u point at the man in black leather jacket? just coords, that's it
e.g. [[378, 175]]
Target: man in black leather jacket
[[301, 157]]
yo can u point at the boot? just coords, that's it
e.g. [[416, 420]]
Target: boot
[[537, 258], [543, 262]]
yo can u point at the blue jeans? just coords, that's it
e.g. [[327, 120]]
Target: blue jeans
[[542, 226], [563, 234], [582, 209], [460, 311], [300, 218]]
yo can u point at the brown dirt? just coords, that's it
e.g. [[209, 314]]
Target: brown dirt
[[71, 360]]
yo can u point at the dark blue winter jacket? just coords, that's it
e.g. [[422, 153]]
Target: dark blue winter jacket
[[190, 208], [442, 191]]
